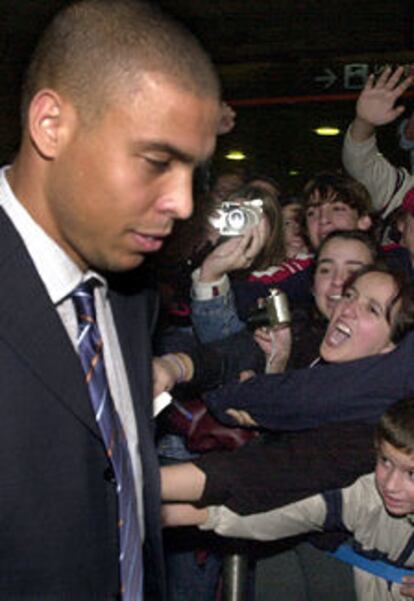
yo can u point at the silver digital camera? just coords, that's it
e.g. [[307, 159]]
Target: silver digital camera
[[234, 218], [273, 312]]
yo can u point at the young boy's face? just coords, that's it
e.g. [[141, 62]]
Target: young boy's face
[[394, 476], [329, 213]]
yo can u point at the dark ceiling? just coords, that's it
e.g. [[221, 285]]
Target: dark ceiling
[[287, 66]]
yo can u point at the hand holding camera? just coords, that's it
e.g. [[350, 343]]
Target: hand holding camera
[[271, 325], [276, 343], [237, 252]]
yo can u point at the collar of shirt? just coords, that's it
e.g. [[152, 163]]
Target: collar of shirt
[[59, 273]]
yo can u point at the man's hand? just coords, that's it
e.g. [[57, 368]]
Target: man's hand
[[236, 253], [376, 103], [169, 370], [164, 376]]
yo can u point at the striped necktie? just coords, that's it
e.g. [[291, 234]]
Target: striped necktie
[[91, 355]]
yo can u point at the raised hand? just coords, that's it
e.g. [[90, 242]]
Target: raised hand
[[376, 103]]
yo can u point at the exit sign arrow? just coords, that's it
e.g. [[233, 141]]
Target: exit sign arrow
[[328, 79]]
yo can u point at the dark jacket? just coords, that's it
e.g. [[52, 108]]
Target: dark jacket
[[58, 508], [306, 398]]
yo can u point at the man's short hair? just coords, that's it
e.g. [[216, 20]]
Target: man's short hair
[[396, 426], [339, 188], [92, 47]]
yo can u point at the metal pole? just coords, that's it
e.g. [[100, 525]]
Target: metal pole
[[235, 577]]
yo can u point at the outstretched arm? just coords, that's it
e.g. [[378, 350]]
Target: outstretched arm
[[307, 398], [182, 482], [183, 514], [305, 516]]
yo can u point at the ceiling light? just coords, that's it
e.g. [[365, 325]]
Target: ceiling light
[[235, 155], [327, 131]]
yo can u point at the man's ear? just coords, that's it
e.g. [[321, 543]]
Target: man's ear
[[364, 222], [45, 122]]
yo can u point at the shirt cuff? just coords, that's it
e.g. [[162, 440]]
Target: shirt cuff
[[213, 518], [208, 290]]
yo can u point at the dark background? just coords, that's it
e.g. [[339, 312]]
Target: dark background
[[287, 66]]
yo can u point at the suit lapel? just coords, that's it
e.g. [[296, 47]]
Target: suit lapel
[[31, 326], [130, 315]]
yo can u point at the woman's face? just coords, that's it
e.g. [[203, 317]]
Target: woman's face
[[294, 242], [337, 260], [358, 326]]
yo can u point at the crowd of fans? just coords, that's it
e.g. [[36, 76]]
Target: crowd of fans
[[286, 340], [312, 384]]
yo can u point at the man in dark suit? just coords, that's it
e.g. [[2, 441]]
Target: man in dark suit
[[120, 105]]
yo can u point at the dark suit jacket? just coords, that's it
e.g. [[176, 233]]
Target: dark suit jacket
[[58, 511]]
